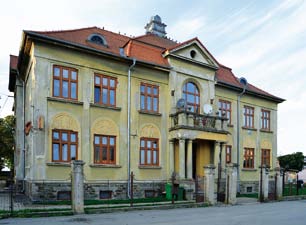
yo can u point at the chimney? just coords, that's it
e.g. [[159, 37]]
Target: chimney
[[155, 26]]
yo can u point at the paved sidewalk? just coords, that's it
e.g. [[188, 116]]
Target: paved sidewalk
[[280, 213]]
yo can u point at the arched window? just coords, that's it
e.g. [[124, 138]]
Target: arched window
[[191, 95], [97, 39]]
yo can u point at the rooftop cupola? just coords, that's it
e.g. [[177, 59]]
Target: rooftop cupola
[[155, 26]]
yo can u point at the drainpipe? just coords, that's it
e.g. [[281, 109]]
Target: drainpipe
[[129, 127], [23, 144], [243, 81]]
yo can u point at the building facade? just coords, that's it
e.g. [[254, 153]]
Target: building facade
[[146, 105]]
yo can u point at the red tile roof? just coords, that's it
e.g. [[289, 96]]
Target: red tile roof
[[80, 37], [148, 48], [145, 53], [13, 62], [226, 76], [12, 72]]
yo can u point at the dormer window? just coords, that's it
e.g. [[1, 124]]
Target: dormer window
[[97, 39]]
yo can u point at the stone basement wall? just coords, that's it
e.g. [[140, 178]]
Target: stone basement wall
[[47, 191], [245, 185]]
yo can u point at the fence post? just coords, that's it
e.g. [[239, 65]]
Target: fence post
[[264, 183], [77, 185], [297, 184], [278, 184], [11, 197], [209, 187], [132, 189], [231, 183]]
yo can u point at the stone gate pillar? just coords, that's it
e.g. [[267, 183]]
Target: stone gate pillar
[[263, 183], [279, 183], [77, 186], [209, 185], [231, 183]]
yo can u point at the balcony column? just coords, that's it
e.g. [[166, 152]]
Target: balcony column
[[171, 156], [189, 159], [219, 198], [182, 159]]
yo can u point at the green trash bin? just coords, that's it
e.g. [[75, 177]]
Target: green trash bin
[[169, 191], [180, 194], [179, 190]]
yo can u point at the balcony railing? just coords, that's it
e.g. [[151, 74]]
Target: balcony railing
[[190, 120]]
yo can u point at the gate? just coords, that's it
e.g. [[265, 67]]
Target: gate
[[7, 193], [199, 188], [272, 189]]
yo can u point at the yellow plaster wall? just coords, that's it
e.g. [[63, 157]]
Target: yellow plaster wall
[[203, 156]]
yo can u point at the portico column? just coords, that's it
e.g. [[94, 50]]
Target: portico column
[[171, 156], [189, 159], [182, 159]]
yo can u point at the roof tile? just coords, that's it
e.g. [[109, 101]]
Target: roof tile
[[148, 48]]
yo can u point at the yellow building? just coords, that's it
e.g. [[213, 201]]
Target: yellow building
[[146, 105]]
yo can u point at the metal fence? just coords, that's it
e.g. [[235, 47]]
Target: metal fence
[[50, 197]]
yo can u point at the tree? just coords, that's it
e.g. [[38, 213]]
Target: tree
[[293, 161], [7, 130]]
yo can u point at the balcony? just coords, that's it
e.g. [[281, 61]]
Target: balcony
[[193, 121]]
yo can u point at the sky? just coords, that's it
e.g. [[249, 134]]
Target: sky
[[263, 41]]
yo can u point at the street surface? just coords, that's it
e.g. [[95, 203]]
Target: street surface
[[279, 213]]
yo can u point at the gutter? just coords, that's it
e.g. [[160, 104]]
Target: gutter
[[238, 136], [129, 127]]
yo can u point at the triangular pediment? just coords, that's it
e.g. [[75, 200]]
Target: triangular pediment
[[193, 51]]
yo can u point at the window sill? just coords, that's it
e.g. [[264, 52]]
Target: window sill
[[104, 166], [63, 100], [149, 113], [64, 164], [249, 169], [266, 131], [149, 167], [249, 128], [105, 106]]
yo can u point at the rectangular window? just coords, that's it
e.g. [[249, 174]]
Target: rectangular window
[[248, 114], [149, 152], [65, 82], [248, 161], [225, 109], [149, 98], [265, 157], [265, 119], [105, 90], [104, 149], [106, 194], [64, 145], [228, 155]]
